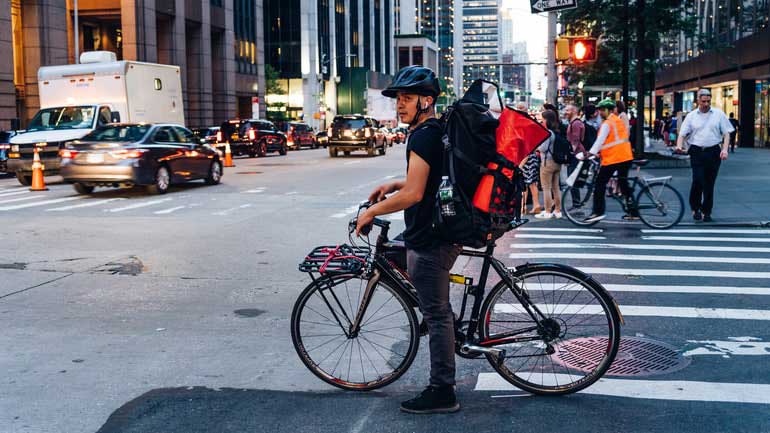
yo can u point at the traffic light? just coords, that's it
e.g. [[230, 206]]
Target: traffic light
[[584, 50], [562, 49]]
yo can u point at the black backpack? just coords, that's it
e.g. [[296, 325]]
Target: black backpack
[[589, 137], [560, 149], [469, 146]]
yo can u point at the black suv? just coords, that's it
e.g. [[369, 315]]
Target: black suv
[[252, 137], [354, 132]]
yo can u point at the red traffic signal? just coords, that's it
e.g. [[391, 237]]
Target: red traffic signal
[[584, 50]]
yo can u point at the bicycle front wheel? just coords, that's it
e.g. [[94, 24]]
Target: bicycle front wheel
[[570, 343], [577, 204], [660, 205], [369, 358]]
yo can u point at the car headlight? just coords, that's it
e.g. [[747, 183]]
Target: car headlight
[[14, 148]]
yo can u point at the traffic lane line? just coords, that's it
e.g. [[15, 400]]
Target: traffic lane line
[[656, 247], [39, 203], [644, 311], [744, 346], [715, 231], [6, 194], [138, 205], [705, 239], [648, 389], [673, 273], [231, 210], [168, 211], [554, 229], [18, 199], [612, 288], [643, 258], [90, 203], [545, 236]]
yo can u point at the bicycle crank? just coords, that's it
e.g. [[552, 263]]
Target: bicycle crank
[[471, 349]]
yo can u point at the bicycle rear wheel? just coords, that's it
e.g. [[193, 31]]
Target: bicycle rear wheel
[[577, 204], [572, 344], [379, 353], [660, 205]]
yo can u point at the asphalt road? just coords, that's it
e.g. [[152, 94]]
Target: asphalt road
[[123, 312]]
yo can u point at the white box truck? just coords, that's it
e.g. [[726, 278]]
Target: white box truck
[[76, 99]]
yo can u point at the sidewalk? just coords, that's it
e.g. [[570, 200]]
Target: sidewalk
[[742, 194]]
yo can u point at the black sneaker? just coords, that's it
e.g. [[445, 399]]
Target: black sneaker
[[594, 217], [707, 218], [631, 216], [696, 215], [435, 399]]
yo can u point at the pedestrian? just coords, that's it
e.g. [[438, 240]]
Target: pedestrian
[[673, 128], [613, 146], [550, 169], [666, 129], [592, 116], [429, 259], [577, 134], [620, 110], [736, 126], [704, 130], [530, 168]]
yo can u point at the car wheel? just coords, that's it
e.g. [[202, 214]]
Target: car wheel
[[162, 181], [261, 148], [82, 188], [333, 152], [24, 180], [215, 173], [283, 150], [381, 150]]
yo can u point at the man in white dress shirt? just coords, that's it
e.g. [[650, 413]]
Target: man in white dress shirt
[[707, 134]]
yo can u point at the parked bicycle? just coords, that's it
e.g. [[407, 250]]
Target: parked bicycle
[[545, 328], [658, 204]]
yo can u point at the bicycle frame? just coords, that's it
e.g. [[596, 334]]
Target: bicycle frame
[[638, 183]]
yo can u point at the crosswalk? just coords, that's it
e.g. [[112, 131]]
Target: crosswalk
[[704, 290]]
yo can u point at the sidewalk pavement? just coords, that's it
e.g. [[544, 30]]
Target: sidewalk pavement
[[742, 193]]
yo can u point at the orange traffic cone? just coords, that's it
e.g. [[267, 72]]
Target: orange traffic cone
[[38, 183], [228, 155]]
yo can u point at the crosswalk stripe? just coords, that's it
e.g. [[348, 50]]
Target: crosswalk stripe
[[674, 272], [642, 258], [6, 194], [729, 348], [228, 211], [544, 236], [18, 199], [138, 205], [553, 229], [651, 389], [346, 212], [713, 231], [647, 311], [704, 239], [644, 288], [39, 203], [656, 247], [89, 203], [168, 211]]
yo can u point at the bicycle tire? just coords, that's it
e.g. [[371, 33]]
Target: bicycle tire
[[577, 212], [647, 193], [565, 351], [316, 366]]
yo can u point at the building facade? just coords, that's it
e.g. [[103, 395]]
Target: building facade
[[217, 43], [481, 40], [730, 55]]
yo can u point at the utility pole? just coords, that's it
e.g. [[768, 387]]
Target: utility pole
[[553, 79], [77, 33], [626, 59], [641, 57]]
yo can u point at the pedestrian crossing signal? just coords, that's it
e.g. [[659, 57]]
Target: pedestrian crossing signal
[[584, 50]]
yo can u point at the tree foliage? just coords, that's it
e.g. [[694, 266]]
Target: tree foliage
[[273, 87]]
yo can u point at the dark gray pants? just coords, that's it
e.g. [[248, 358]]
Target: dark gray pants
[[705, 168], [429, 272]]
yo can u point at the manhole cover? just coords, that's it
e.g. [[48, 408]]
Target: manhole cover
[[636, 356], [248, 172]]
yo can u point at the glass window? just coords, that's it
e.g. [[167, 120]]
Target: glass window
[[105, 116], [349, 123], [403, 57], [185, 135], [165, 135], [63, 118], [417, 55], [118, 133]]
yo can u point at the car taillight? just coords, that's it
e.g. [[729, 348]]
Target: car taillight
[[5, 146], [367, 133], [252, 134], [68, 154], [219, 137], [127, 154]]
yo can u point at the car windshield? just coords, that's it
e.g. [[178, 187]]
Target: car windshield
[[350, 123], [62, 118], [117, 133]]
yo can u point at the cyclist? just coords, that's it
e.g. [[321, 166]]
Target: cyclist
[[613, 145], [429, 259]]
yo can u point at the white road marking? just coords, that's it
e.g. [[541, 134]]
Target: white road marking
[[674, 272], [352, 162], [232, 209], [169, 210], [138, 205], [29, 197], [656, 247], [647, 311], [649, 389], [292, 193], [346, 212], [729, 348], [89, 203], [724, 290], [539, 236], [642, 258], [552, 229], [6, 194], [39, 203], [717, 231], [704, 239], [254, 191]]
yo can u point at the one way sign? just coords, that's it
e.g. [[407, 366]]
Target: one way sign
[[551, 5]]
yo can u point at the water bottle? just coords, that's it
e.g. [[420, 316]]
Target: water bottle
[[446, 195]]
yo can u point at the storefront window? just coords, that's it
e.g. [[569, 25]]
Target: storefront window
[[762, 114]]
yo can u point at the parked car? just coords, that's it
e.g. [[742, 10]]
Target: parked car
[[322, 138], [208, 134], [349, 133], [129, 154], [381, 137], [5, 149], [252, 137], [300, 134]]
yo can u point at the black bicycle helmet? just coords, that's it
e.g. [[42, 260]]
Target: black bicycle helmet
[[414, 79]]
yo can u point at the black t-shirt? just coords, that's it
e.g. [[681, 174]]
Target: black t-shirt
[[424, 141]]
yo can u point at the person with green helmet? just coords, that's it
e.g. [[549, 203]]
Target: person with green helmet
[[429, 259], [613, 146]]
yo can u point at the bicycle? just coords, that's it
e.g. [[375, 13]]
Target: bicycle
[[658, 204], [545, 328]]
